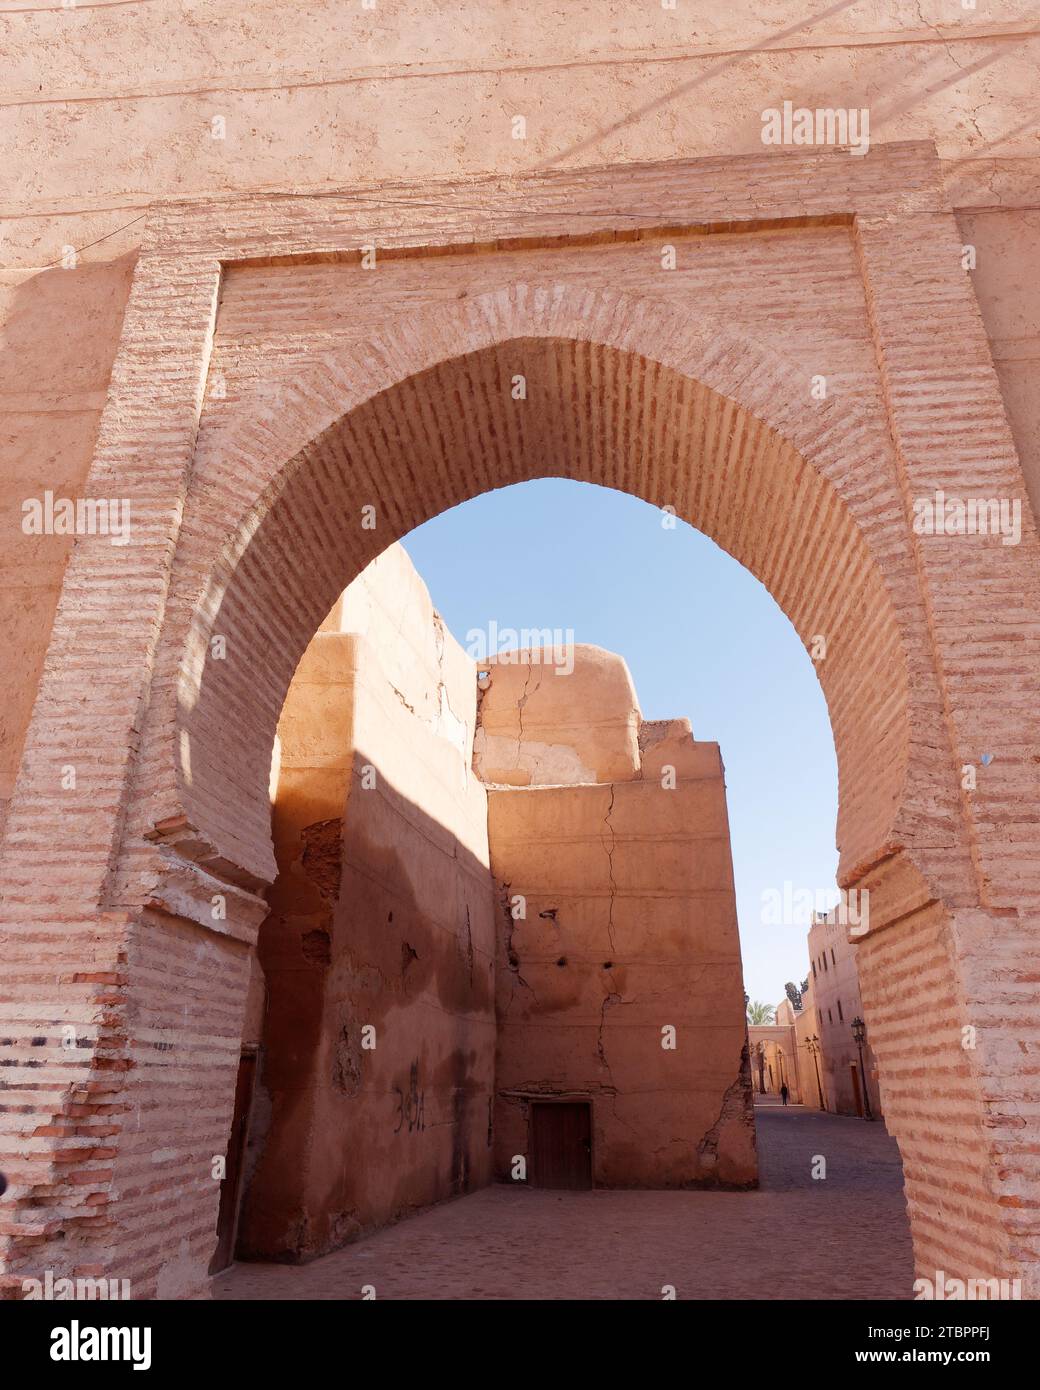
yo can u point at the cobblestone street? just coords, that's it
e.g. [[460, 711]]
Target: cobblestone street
[[842, 1237]]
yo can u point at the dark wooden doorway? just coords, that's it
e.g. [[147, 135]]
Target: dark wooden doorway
[[231, 1184], [561, 1144]]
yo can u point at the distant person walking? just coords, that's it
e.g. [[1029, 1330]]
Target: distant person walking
[[784, 1093]]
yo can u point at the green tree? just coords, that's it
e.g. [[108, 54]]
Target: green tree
[[759, 1014]]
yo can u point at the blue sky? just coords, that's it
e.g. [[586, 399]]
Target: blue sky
[[702, 638]]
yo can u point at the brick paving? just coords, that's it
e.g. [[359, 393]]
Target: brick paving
[[843, 1237]]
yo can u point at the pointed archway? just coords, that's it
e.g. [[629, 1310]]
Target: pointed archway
[[248, 524]]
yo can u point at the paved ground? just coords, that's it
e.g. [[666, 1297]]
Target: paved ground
[[845, 1236]]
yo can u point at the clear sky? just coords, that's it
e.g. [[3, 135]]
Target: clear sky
[[702, 638]]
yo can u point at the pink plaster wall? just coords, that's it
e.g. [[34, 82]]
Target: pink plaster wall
[[617, 924], [382, 918]]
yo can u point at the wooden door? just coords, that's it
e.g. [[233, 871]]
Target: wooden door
[[231, 1185], [561, 1144]]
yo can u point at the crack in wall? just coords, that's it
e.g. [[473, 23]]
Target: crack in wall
[[400, 696], [512, 957], [609, 1001], [639, 1134], [521, 702], [468, 949], [610, 869]]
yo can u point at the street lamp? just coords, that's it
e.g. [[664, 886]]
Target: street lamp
[[859, 1032], [813, 1044]]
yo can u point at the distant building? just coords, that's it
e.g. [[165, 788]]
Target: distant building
[[834, 989], [781, 1051], [812, 1047], [773, 1052], [806, 1029]]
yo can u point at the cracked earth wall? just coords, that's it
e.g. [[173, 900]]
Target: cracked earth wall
[[619, 975], [381, 920]]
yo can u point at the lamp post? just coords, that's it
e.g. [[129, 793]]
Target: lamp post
[[813, 1044], [859, 1032]]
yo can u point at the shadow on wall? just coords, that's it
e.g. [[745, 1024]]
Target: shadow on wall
[[379, 1036]]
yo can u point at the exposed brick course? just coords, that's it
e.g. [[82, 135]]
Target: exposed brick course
[[246, 508]]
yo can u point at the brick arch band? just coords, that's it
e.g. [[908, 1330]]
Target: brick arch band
[[809, 495], [621, 392], [617, 392]]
